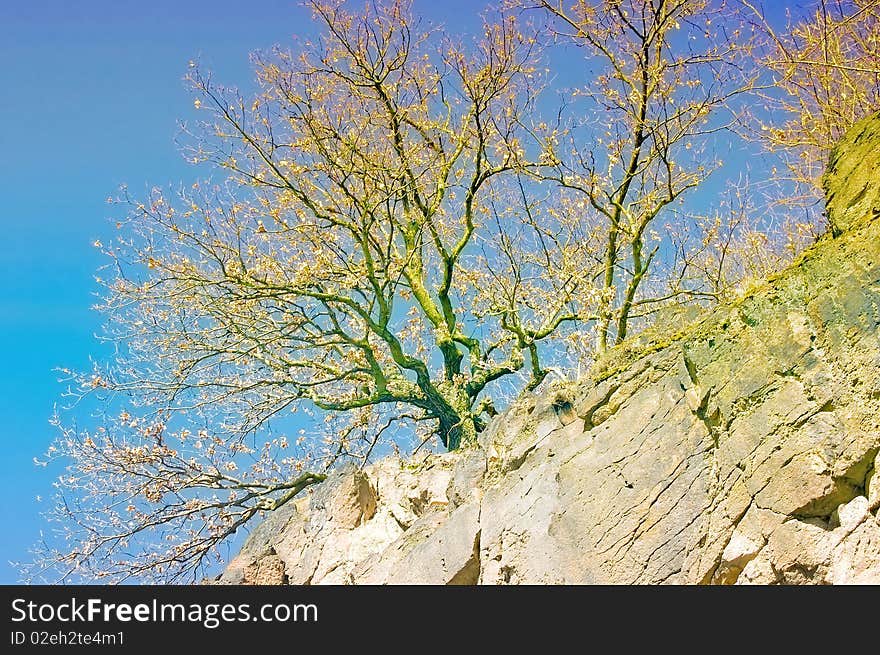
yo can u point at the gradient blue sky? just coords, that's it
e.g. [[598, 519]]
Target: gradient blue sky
[[90, 96]]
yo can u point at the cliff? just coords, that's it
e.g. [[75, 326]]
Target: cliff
[[741, 449]]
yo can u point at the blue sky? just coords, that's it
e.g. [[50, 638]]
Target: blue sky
[[90, 96]]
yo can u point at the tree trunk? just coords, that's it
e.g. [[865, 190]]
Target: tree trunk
[[458, 426], [463, 434]]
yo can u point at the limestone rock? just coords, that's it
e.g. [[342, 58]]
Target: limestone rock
[[851, 180]]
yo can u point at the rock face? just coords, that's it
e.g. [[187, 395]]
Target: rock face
[[741, 449]]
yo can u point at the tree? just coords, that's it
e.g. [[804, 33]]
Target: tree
[[663, 78], [379, 178]]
